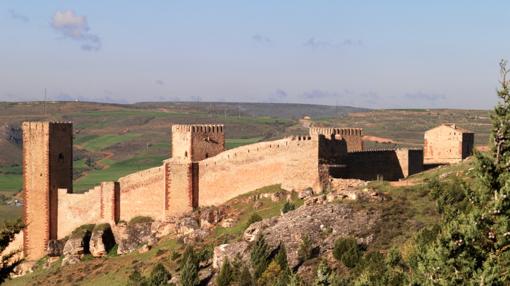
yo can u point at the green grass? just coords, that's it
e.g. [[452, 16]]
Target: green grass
[[102, 142], [234, 143], [11, 182]]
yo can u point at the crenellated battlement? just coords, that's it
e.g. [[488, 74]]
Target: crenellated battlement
[[328, 131], [198, 128]]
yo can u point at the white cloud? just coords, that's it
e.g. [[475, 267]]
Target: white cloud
[[75, 27]]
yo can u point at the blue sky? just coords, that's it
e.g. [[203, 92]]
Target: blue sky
[[378, 54]]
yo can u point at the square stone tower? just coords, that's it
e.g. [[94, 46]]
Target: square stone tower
[[197, 142], [47, 166]]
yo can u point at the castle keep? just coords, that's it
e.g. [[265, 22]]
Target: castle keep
[[199, 173]]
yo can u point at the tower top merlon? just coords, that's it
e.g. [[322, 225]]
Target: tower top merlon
[[197, 128]]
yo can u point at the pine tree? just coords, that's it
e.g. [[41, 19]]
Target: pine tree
[[245, 278], [7, 233], [259, 256], [189, 269], [473, 246], [136, 279], [226, 275], [159, 275]]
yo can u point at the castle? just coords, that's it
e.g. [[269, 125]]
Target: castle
[[199, 173]]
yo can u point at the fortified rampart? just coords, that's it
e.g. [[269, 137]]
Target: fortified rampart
[[392, 164], [200, 173]]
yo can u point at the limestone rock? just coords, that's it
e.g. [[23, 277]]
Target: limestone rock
[[209, 217], [229, 222], [163, 228], [23, 268], [102, 240], [131, 236], [144, 249], [187, 225], [308, 192], [50, 261], [323, 223], [238, 249], [55, 248], [77, 245]]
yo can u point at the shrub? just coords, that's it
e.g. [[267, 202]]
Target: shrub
[[305, 250], [245, 278], [226, 275], [159, 275], [288, 206], [347, 251], [136, 279], [189, 269], [259, 256], [270, 275], [323, 275], [253, 219]]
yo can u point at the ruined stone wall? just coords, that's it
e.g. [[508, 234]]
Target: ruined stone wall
[[47, 166], [143, 194], [352, 136], [292, 162], [442, 145], [386, 164], [198, 141]]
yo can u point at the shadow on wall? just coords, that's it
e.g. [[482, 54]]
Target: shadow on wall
[[370, 166]]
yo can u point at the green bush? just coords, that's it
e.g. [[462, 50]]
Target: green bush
[[189, 268], [305, 250], [253, 219], [347, 251], [226, 275], [288, 206], [140, 219], [159, 276], [136, 279], [260, 257]]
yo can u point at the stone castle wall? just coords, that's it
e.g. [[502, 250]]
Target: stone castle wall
[[292, 162], [389, 165], [181, 184], [98, 205], [352, 136]]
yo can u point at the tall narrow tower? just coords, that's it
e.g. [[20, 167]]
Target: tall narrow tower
[[47, 166]]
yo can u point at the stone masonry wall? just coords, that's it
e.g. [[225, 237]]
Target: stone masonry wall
[[47, 161], [292, 162], [143, 194], [97, 205], [198, 141], [443, 145], [391, 165], [352, 136]]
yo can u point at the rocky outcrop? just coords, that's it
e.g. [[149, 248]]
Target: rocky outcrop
[[131, 236], [322, 223], [55, 248], [101, 240], [77, 245]]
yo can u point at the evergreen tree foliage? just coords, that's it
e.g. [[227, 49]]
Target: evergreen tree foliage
[[305, 250], [271, 275], [288, 206], [136, 279], [189, 268], [226, 275], [347, 251], [253, 219], [245, 278], [260, 256], [324, 277], [472, 246], [159, 275]]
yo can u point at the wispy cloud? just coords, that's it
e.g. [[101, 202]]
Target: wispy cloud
[[159, 82], [316, 44], [75, 27], [261, 39], [17, 16], [279, 95]]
